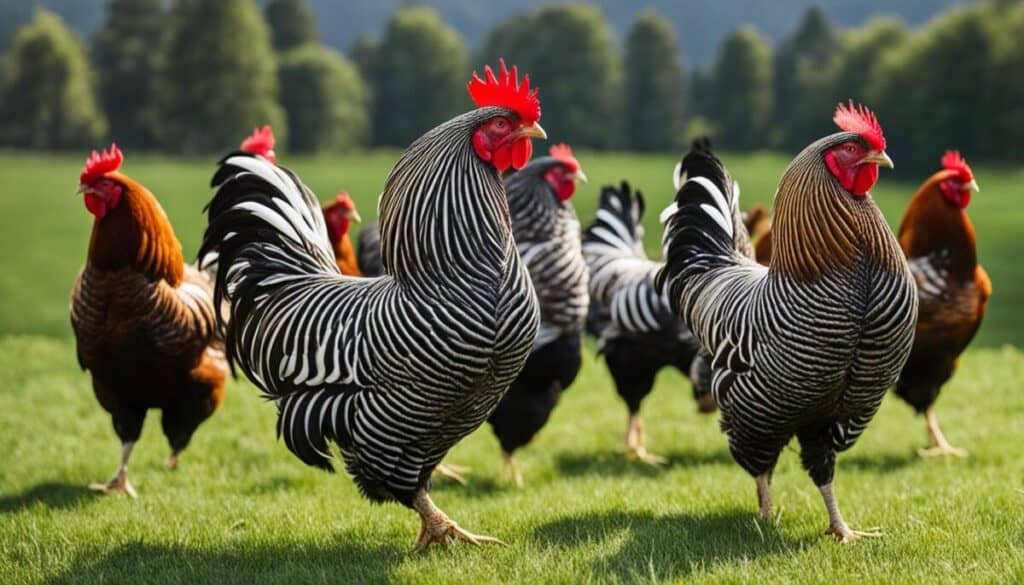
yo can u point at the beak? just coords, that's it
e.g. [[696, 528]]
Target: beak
[[579, 176], [973, 186], [879, 158], [534, 131], [81, 190], [354, 216]]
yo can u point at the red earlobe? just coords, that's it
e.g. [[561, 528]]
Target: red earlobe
[[480, 146]]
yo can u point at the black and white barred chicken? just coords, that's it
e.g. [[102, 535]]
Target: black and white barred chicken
[[808, 345], [638, 332], [547, 234], [395, 370]]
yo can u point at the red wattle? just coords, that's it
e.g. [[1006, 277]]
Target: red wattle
[[502, 158], [565, 190], [96, 205], [522, 150], [865, 179]]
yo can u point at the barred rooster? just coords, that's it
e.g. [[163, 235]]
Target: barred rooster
[[638, 333], [547, 234], [398, 369], [143, 319], [808, 345], [952, 288]]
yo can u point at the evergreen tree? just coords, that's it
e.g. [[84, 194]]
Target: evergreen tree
[[741, 104], [654, 85], [220, 77], [570, 53], [325, 99], [126, 53], [46, 99], [292, 24], [800, 63], [419, 73]]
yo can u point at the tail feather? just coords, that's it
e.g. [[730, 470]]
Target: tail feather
[[703, 227]]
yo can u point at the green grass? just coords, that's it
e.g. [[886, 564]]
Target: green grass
[[242, 509]]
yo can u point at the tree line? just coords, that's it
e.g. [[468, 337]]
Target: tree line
[[195, 76]]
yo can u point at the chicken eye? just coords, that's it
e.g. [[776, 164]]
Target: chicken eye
[[500, 123]]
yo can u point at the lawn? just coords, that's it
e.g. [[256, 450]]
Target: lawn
[[242, 509]]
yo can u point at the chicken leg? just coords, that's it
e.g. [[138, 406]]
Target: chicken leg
[[119, 482], [836, 525], [940, 445], [438, 528], [635, 443], [764, 494], [453, 472], [513, 466]]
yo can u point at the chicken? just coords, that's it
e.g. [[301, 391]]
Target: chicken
[[952, 288], [338, 215], [261, 142], [368, 254], [808, 345], [638, 333], [394, 370], [759, 226], [143, 320], [547, 234]]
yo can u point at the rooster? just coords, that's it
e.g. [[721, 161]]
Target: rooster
[[143, 320], [759, 227], [394, 370], [339, 214], [808, 345], [638, 333], [952, 288], [547, 234]]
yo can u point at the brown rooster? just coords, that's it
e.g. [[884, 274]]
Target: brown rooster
[[144, 321], [759, 226], [952, 288], [339, 215]]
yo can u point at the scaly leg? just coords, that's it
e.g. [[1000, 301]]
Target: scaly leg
[[836, 525], [118, 483], [635, 443], [452, 472], [438, 528], [513, 465], [940, 445], [764, 494], [172, 461]]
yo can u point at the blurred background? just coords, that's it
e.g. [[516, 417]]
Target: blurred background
[[346, 83]]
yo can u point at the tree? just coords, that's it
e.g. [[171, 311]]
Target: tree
[[220, 78], [923, 110], [418, 76], [654, 85], [741, 104], [126, 53], [325, 99], [46, 100], [292, 24], [800, 62], [570, 53]]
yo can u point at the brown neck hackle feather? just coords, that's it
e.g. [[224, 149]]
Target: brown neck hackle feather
[[345, 257], [931, 224], [820, 228], [137, 235]]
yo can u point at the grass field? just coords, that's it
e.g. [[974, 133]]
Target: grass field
[[241, 509]]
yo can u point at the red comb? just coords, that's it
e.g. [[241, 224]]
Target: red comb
[[344, 200], [859, 119], [261, 142], [563, 153], [952, 161], [506, 91], [98, 164]]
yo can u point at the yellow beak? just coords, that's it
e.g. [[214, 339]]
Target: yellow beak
[[354, 216], [579, 176], [880, 158], [973, 186], [533, 131]]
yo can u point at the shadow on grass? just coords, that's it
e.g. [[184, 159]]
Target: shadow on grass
[[671, 546], [342, 561], [878, 462], [52, 494], [615, 463], [273, 484]]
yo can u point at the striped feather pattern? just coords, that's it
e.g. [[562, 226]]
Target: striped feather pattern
[[394, 369], [804, 347]]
